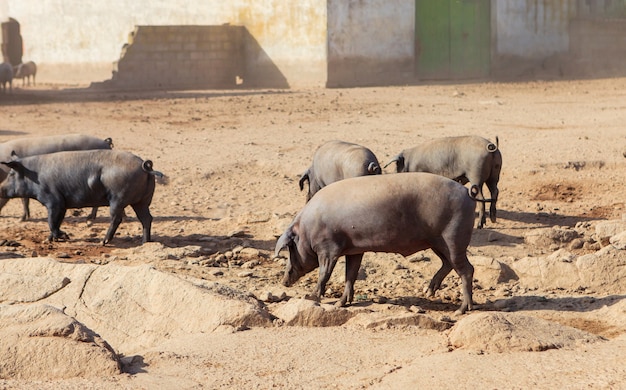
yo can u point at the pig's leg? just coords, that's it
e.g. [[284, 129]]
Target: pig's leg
[[116, 218], [144, 216], [482, 217], [474, 177], [327, 264], [26, 210], [55, 218], [493, 189], [445, 269], [353, 263], [94, 213], [465, 270]]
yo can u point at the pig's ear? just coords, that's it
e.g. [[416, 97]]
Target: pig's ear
[[13, 164]]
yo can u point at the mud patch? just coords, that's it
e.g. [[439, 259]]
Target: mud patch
[[564, 192], [604, 212], [593, 326]]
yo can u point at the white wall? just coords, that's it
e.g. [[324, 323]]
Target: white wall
[[532, 28], [371, 28], [4, 11], [91, 33], [370, 41]]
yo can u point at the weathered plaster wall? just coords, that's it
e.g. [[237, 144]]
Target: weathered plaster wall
[[73, 36], [370, 41], [532, 28]]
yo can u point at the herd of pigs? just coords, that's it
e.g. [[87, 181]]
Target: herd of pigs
[[351, 206], [25, 71]]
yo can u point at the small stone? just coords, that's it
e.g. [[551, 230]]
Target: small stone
[[63, 255], [379, 299], [417, 309], [577, 243], [245, 274], [237, 233], [268, 296], [445, 318], [250, 264], [595, 246], [216, 272], [250, 252]]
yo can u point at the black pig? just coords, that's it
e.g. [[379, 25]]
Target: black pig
[[90, 178]]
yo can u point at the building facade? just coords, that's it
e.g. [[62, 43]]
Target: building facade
[[319, 43]]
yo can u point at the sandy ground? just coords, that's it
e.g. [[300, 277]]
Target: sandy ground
[[233, 159]]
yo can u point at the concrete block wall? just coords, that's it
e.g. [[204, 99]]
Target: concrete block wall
[[598, 46], [177, 57]]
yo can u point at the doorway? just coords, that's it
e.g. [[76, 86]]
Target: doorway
[[452, 39]]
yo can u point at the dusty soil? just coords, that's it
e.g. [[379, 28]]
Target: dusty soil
[[233, 159]]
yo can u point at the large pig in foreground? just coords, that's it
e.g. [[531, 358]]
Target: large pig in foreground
[[338, 160], [465, 159], [32, 146], [79, 179], [396, 213]]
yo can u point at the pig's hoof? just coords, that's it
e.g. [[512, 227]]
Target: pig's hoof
[[62, 236], [341, 303]]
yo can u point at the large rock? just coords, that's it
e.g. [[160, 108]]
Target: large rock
[[489, 272], [619, 240], [132, 307], [507, 332], [305, 312], [554, 271], [604, 270], [606, 229], [40, 342], [548, 236]]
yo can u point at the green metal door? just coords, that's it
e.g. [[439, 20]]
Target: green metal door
[[452, 39]]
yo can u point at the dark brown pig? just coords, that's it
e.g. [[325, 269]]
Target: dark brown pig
[[77, 179], [32, 146], [465, 159], [338, 160], [396, 213]]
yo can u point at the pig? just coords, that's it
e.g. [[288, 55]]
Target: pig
[[6, 76], [394, 213], [89, 178], [25, 147], [465, 159], [26, 71], [338, 160]]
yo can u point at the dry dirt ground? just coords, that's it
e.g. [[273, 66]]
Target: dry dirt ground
[[233, 159]]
